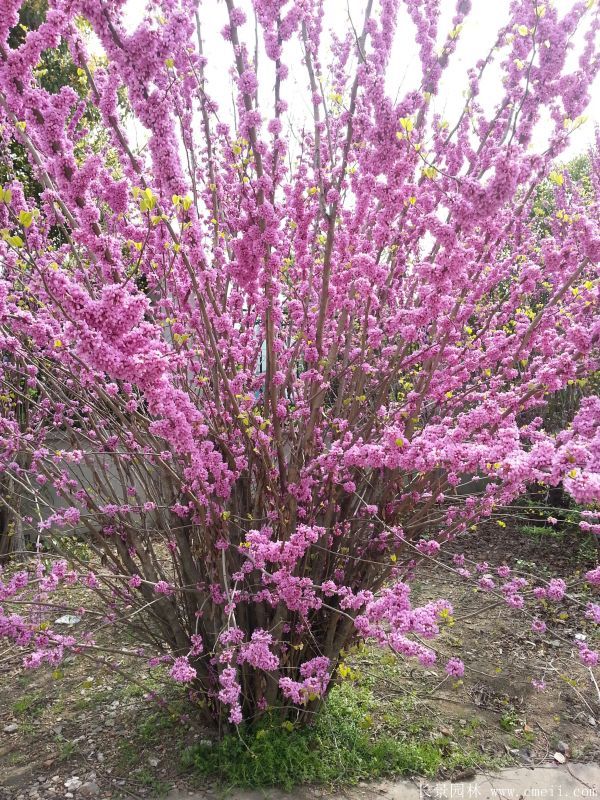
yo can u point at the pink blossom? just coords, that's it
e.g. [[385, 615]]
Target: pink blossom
[[589, 657], [182, 671], [593, 612], [257, 652], [556, 589], [593, 576], [455, 668]]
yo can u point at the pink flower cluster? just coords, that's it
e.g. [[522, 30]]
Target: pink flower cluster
[[268, 372]]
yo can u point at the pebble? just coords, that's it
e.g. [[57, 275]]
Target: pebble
[[89, 789], [560, 757], [67, 619], [563, 747], [11, 728], [72, 783]]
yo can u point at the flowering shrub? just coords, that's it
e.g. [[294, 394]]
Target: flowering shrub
[[260, 374]]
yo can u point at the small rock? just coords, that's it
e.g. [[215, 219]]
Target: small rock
[[464, 775], [563, 747], [89, 789], [71, 784], [525, 757], [11, 728], [560, 757], [67, 619], [592, 721], [154, 762]]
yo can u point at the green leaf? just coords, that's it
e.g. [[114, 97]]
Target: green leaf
[[26, 218]]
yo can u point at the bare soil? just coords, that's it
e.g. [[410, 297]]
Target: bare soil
[[81, 723]]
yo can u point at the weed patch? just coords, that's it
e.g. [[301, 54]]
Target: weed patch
[[340, 747]]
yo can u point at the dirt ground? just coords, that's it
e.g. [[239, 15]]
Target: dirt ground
[[495, 703], [78, 731]]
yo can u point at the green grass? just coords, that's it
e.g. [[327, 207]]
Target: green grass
[[566, 528], [66, 750], [29, 705], [156, 724], [583, 547], [341, 747], [144, 777], [510, 721], [541, 531]]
